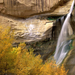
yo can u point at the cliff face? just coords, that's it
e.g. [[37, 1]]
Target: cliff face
[[28, 30], [42, 32], [26, 8], [34, 29]]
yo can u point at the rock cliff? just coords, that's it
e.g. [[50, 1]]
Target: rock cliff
[[26, 8], [36, 29], [30, 29]]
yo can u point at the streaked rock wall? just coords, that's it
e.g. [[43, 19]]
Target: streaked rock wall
[[26, 8]]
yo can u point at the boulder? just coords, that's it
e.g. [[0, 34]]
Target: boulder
[[27, 8]]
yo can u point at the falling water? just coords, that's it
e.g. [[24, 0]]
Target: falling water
[[63, 45]]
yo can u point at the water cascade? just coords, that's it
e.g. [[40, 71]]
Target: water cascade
[[62, 44]]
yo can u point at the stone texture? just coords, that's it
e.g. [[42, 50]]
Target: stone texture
[[28, 30], [60, 10], [1, 1], [26, 8]]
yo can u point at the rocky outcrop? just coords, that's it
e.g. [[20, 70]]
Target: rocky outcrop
[[60, 10], [26, 8], [28, 30], [36, 32]]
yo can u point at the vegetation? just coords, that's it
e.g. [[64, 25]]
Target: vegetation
[[21, 61]]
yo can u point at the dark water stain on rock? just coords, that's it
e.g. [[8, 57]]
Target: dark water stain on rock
[[45, 48]]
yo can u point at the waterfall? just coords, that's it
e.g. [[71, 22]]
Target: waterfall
[[62, 44]]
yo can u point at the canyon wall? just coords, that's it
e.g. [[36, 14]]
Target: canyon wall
[[27, 8]]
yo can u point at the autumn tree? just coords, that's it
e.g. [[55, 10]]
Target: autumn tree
[[21, 61], [6, 57]]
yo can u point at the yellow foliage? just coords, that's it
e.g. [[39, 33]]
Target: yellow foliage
[[26, 62], [6, 57], [52, 69], [29, 64], [20, 61]]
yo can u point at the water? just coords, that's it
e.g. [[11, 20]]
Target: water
[[63, 45], [62, 20]]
